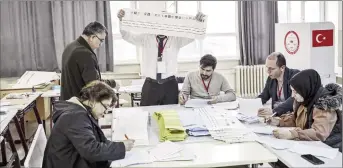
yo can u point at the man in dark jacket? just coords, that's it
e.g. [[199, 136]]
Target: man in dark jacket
[[80, 63], [277, 86], [76, 140]]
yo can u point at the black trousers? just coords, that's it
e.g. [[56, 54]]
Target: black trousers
[[160, 92]]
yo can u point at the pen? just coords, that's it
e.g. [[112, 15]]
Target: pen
[[126, 137], [271, 117]]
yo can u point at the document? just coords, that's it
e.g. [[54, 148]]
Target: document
[[169, 24], [249, 106], [169, 151], [196, 103], [133, 158], [302, 149], [132, 123], [279, 144], [227, 105]]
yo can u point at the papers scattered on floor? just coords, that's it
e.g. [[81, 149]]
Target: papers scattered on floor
[[326, 152]]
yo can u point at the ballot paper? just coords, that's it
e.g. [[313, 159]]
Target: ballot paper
[[169, 24], [196, 103], [133, 158], [170, 151], [132, 123], [227, 105]]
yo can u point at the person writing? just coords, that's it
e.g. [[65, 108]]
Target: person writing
[[205, 83], [76, 140], [317, 112]]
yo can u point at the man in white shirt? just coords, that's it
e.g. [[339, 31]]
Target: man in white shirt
[[206, 84], [159, 64]]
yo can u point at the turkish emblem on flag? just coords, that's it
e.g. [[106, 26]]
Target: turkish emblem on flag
[[321, 38]]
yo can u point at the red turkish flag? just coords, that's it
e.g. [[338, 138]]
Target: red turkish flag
[[322, 38]]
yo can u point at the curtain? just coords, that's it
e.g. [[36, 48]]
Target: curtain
[[35, 33], [256, 21]]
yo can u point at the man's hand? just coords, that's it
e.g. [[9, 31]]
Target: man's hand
[[182, 99], [214, 100], [264, 112], [121, 14], [128, 144], [199, 17]]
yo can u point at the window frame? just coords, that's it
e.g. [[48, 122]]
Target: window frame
[[134, 4]]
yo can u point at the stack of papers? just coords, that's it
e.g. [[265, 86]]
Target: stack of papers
[[192, 122], [170, 126], [275, 143], [249, 107], [225, 128], [163, 152], [132, 123], [34, 78], [248, 119]]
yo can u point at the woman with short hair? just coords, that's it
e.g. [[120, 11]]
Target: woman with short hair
[[76, 140]]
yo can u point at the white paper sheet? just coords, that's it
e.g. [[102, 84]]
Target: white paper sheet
[[133, 158], [302, 149], [227, 105], [196, 103], [249, 106], [275, 143], [170, 151], [169, 24], [134, 124]]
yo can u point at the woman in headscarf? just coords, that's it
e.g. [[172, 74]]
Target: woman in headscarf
[[317, 111]]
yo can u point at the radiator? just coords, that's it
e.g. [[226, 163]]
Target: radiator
[[250, 80]]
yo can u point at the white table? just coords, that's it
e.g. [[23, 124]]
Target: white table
[[291, 159], [209, 152]]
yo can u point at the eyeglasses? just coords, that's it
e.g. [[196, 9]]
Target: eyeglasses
[[101, 40], [107, 108]]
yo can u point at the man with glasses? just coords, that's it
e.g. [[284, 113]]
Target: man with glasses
[[79, 62], [277, 86]]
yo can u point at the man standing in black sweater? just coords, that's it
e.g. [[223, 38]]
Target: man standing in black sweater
[[79, 62]]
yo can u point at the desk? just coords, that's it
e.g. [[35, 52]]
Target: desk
[[5, 135], [21, 107], [291, 159], [134, 89], [209, 152], [49, 98]]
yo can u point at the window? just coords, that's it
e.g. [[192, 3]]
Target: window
[[221, 38], [315, 11], [122, 50], [221, 33]]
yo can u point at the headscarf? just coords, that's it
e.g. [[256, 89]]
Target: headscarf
[[307, 83]]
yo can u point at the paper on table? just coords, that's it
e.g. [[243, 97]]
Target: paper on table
[[249, 106], [183, 155], [133, 158], [302, 149], [165, 150], [275, 143], [227, 105], [196, 103]]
